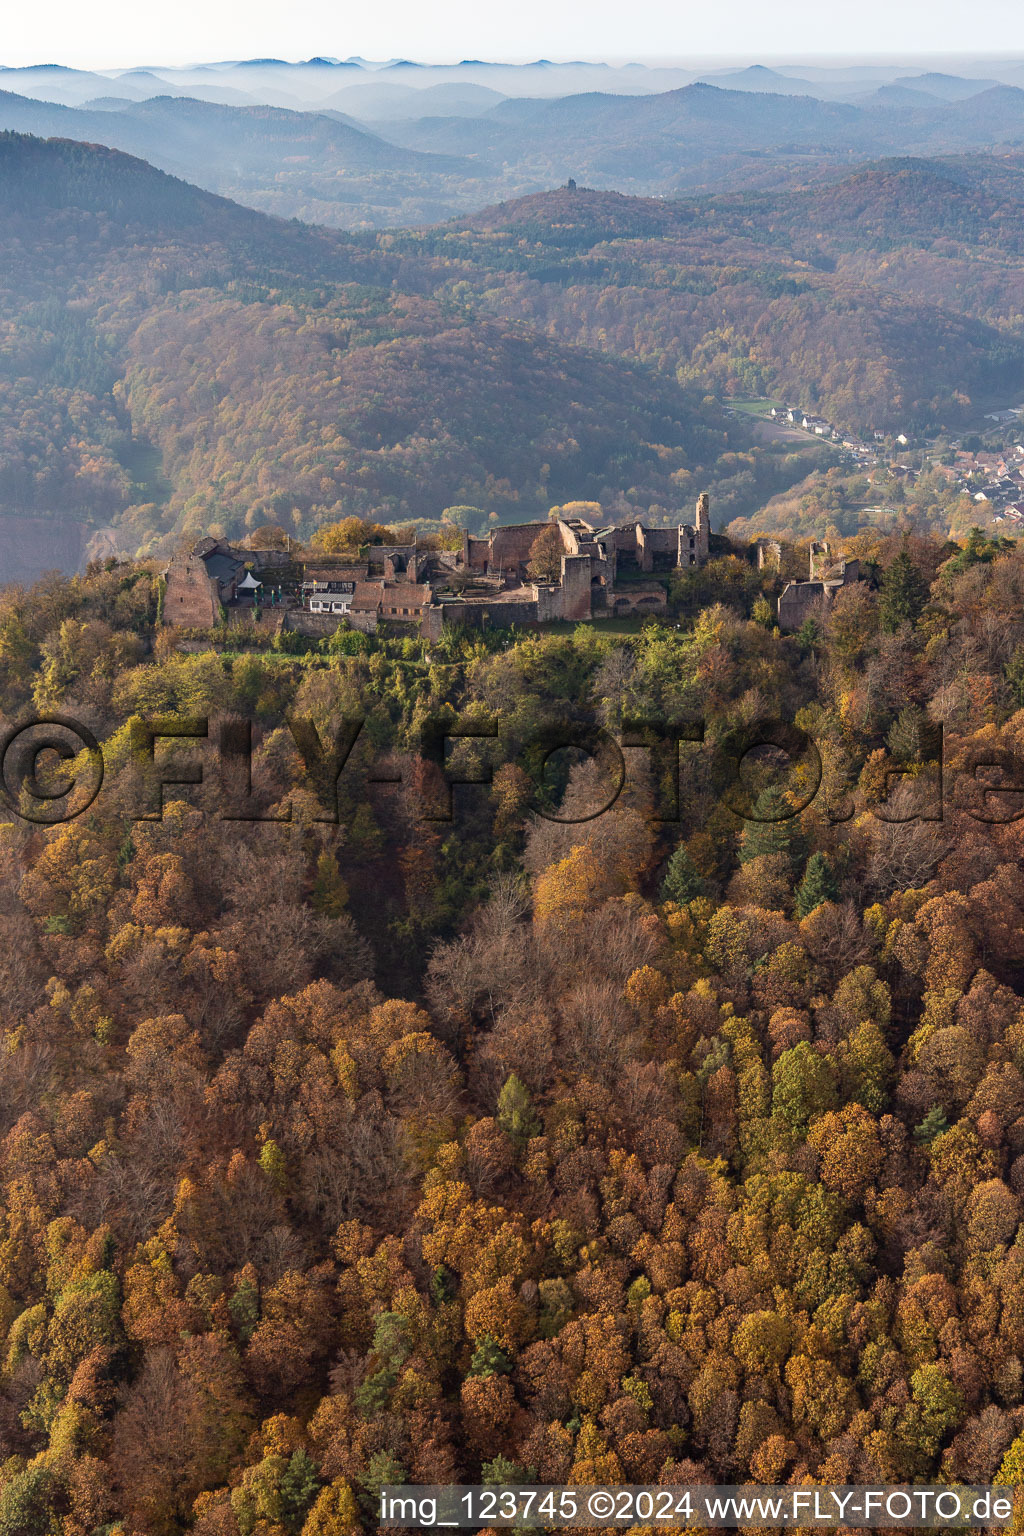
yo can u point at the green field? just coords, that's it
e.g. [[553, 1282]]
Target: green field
[[752, 407]]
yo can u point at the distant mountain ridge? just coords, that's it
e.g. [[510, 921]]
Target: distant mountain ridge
[[364, 155], [292, 163], [700, 134], [166, 129], [310, 82]]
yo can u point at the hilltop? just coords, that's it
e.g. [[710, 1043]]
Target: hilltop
[[676, 1143], [121, 212], [885, 298], [581, 215], [175, 362], [907, 199], [316, 165]]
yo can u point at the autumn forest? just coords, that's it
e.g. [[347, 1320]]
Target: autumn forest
[[515, 1147]]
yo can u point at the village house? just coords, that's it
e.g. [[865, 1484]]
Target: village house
[[335, 598], [816, 424], [329, 588]]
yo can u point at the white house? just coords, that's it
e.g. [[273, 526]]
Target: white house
[[331, 602], [817, 425]]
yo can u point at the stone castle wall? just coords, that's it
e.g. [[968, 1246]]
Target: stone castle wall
[[575, 589], [190, 600], [511, 545]]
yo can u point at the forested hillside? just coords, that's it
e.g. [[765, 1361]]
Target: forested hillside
[[703, 137], [891, 298], [174, 363], [298, 153], [622, 1150], [318, 166]]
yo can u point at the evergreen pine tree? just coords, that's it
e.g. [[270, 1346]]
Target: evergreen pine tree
[[774, 827], [1014, 673], [904, 735], [904, 594], [382, 1469], [978, 550], [489, 1359], [682, 882], [933, 1124], [501, 1471], [298, 1489], [818, 885]]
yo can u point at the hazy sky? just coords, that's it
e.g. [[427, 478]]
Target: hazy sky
[[118, 33]]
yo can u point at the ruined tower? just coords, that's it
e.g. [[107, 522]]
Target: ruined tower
[[703, 525], [819, 558]]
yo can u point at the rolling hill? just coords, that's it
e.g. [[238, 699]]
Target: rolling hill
[[297, 164], [171, 362], [793, 292], [389, 165], [702, 136]]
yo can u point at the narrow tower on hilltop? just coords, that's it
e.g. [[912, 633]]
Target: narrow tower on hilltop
[[703, 525]]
